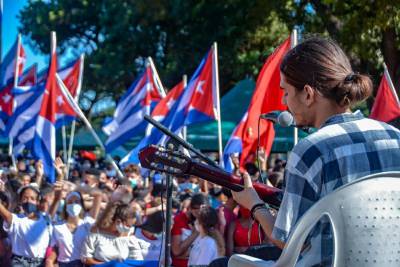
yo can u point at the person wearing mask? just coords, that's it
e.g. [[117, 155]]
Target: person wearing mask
[[70, 234], [91, 177], [112, 238], [319, 88], [29, 232], [209, 244], [151, 233], [183, 232], [5, 246], [244, 233]]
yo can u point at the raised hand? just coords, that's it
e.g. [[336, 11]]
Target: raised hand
[[262, 159], [58, 187], [39, 168], [60, 168]]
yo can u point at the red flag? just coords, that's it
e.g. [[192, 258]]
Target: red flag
[[267, 97], [386, 107]]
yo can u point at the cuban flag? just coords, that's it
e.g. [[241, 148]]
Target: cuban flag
[[194, 104], [159, 113], [8, 101], [27, 97], [234, 144], [27, 80], [72, 76], [55, 108], [138, 101], [13, 64], [267, 97], [198, 102]]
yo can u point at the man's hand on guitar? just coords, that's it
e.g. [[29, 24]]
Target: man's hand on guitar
[[248, 197]]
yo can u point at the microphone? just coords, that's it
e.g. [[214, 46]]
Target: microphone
[[284, 119]]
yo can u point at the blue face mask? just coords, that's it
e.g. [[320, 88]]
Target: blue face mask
[[133, 183], [29, 207]]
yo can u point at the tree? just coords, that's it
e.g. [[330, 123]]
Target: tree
[[369, 30], [119, 35]]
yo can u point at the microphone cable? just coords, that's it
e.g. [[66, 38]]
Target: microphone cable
[[258, 149]]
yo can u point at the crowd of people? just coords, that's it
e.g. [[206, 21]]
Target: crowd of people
[[91, 216]]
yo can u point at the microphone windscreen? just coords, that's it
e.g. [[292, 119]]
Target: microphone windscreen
[[285, 119]]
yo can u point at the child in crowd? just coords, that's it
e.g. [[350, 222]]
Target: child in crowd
[[210, 244]]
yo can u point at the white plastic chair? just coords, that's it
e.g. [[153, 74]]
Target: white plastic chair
[[365, 218]]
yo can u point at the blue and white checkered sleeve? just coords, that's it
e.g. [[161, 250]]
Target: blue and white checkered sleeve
[[303, 186]]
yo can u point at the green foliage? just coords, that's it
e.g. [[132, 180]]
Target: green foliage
[[119, 35]]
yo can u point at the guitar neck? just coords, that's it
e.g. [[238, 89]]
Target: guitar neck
[[269, 194]]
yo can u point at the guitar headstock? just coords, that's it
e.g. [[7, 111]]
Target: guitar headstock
[[161, 159]]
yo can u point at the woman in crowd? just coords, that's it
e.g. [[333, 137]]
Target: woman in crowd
[[29, 233], [151, 233], [183, 232], [112, 238], [69, 235], [210, 244], [5, 247], [244, 233]]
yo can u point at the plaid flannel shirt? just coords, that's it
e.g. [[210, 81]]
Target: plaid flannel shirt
[[346, 147]]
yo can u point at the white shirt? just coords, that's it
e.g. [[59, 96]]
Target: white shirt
[[70, 244], [151, 249], [203, 252], [29, 238], [106, 247]]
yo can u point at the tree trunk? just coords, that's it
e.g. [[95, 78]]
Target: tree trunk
[[391, 55]]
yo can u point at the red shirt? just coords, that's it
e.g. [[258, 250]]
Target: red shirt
[[242, 238], [180, 227]]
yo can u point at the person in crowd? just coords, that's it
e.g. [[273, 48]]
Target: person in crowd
[[91, 177], [244, 233], [132, 172], [183, 232], [5, 246], [69, 235], [151, 233], [112, 238], [24, 178], [209, 244], [29, 233], [319, 88], [229, 210]]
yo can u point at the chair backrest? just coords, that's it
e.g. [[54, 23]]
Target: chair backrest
[[365, 218]]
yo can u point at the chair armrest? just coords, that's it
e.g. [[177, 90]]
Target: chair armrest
[[240, 260]]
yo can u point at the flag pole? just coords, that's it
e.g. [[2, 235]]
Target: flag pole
[[157, 79], [1, 31], [217, 101], [64, 142], [293, 41], [392, 88], [87, 123], [72, 136], [184, 129], [16, 74]]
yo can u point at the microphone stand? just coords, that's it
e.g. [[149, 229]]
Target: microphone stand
[[180, 141], [175, 142]]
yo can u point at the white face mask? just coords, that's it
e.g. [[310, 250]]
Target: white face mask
[[121, 228], [74, 210]]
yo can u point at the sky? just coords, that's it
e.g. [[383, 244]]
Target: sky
[[10, 25]]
